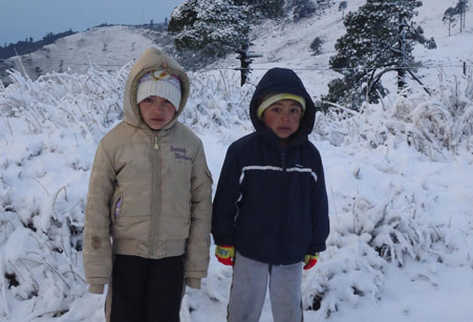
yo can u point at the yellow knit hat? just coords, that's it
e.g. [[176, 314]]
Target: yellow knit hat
[[277, 97]]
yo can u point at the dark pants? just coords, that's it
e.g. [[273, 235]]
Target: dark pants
[[147, 290]]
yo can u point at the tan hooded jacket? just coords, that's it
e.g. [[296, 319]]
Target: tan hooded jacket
[[149, 191]]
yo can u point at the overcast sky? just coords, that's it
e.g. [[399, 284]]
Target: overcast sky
[[20, 19]]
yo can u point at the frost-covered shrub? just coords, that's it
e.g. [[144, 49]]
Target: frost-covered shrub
[[41, 215], [369, 232], [90, 102], [222, 107], [391, 223], [434, 125]]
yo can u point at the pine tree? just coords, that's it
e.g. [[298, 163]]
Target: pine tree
[[204, 29], [316, 46], [380, 38], [449, 17], [461, 8], [271, 9], [450, 14], [303, 9], [214, 28]]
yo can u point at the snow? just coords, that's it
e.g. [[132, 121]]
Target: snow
[[399, 179]]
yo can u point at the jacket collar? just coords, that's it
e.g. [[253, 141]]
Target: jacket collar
[[274, 141]]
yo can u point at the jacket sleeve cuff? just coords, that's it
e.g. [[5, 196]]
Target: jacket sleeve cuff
[[96, 288], [193, 282], [317, 248], [224, 240]]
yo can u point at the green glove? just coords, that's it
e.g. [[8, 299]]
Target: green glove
[[225, 254]]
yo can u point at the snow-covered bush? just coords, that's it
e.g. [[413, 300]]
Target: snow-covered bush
[[90, 102], [41, 210], [216, 103], [376, 221], [53, 125], [434, 125]]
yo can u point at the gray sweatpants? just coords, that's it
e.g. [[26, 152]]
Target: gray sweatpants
[[248, 291]]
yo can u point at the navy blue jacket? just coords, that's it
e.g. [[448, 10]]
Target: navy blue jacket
[[271, 201]]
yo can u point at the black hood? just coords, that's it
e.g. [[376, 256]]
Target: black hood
[[283, 80]]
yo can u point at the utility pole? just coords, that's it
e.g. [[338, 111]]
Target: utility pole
[[246, 58]]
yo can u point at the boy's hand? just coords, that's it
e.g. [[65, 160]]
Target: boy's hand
[[310, 260], [225, 254]]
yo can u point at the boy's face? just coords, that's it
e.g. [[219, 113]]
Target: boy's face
[[283, 117], [156, 111]]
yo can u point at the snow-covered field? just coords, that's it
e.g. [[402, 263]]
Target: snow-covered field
[[399, 178]]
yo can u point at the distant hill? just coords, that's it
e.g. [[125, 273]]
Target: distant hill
[[29, 45], [107, 47]]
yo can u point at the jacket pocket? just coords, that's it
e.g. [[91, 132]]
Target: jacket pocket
[[132, 228], [117, 205], [178, 226]]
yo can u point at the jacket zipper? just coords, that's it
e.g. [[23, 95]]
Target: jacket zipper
[[283, 161], [153, 247]]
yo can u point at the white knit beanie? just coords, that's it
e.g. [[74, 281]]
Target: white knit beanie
[[159, 83]]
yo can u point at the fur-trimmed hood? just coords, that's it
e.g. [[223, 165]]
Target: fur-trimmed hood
[[152, 59]]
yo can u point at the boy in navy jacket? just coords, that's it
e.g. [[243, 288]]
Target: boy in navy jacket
[[270, 211]]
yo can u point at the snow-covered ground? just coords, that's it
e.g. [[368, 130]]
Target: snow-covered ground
[[399, 178]]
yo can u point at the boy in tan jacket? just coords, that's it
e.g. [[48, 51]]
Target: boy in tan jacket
[[148, 208]]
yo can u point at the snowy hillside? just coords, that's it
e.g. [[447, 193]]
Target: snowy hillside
[[399, 179], [107, 47], [288, 44]]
